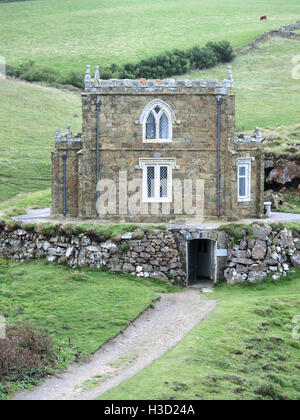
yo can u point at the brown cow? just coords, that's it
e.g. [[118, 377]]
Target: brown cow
[[263, 18]]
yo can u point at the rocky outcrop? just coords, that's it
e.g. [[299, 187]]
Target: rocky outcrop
[[263, 251], [282, 171], [151, 256]]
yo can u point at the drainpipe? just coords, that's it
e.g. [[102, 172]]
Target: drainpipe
[[98, 152], [220, 99], [64, 158]]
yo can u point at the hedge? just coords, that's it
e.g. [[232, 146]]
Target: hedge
[[167, 64]]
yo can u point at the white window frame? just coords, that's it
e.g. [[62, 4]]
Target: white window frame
[[244, 163], [157, 124], [157, 163], [164, 108]]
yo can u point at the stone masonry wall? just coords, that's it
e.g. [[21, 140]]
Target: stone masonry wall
[[151, 256], [194, 146], [263, 251]]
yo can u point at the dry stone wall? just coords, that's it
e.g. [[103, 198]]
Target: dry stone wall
[[151, 256], [285, 31], [264, 251]]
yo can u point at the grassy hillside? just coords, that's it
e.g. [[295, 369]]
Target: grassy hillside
[[242, 351], [28, 119], [90, 306], [67, 35], [266, 93]]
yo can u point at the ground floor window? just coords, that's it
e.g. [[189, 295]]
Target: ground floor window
[[157, 183], [244, 179], [157, 179]]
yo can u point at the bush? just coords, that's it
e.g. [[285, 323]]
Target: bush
[[25, 352], [201, 58], [74, 79], [174, 62], [124, 247], [223, 51], [32, 73]]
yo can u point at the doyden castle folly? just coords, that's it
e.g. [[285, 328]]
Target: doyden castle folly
[[157, 151]]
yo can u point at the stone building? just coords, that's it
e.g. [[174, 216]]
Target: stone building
[[157, 151]]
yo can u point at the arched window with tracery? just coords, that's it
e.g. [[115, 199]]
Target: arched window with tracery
[[157, 119]]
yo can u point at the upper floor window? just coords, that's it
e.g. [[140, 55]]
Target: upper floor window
[[157, 119], [157, 125]]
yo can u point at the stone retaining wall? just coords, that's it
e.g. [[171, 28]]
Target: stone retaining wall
[[263, 251], [151, 256]]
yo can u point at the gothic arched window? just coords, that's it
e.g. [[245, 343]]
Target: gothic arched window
[[157, 119]]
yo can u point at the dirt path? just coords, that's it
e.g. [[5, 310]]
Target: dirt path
[[146, 339]]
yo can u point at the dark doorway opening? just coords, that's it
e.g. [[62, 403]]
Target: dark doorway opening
[[201, 260]]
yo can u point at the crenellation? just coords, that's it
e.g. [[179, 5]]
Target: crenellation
[[97, 85], [247, 138]]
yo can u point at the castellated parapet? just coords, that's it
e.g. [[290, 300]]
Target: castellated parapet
[[165, 149]]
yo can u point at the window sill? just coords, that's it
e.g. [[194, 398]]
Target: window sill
[[154, 200], [157, 141]]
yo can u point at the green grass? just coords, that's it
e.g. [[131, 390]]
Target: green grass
[[292, 199], [70, 34], [266, 94], [89, 306], [19, 204], [83, 307], [101, 232], [239, 230], [244, 350], [28, 119]]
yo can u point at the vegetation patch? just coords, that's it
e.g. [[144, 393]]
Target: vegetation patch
[[81, 309], [26, 356], [96, 231], [239, 230], [291, 203], [25, 201], [243, 351], [282, 141], [29, 116]]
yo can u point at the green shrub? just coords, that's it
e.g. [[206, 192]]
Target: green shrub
[[46, 229], [74, 79], [29, 227], [172, 63], [124, 247], [223, 50]]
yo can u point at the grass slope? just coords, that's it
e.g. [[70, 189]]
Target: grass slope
[[266, 93], [244, 350], [28, 119], [88, 306], [70, 34], [23, 201], [83, 308]]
